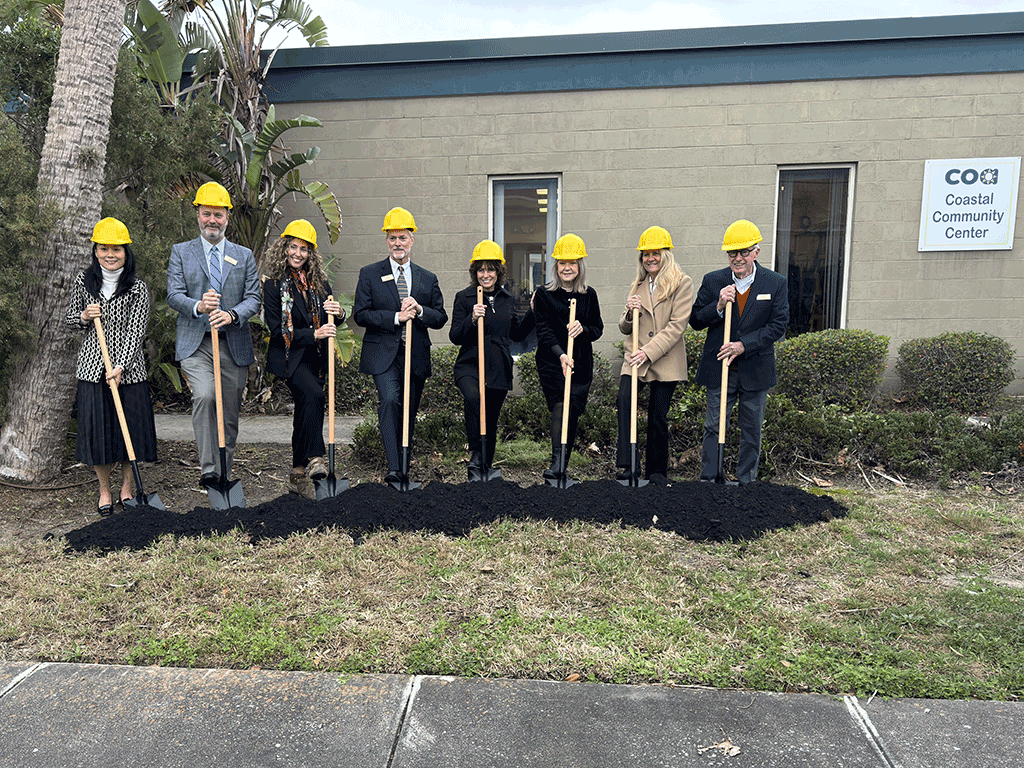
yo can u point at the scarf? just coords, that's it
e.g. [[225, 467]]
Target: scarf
[[296, 280]]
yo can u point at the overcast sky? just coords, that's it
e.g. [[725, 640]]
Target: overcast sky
[[361, 22]]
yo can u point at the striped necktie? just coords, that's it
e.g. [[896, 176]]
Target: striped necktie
[[403, 291], [215, 269]]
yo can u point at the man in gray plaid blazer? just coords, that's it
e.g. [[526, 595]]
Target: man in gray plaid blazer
[[213, 285]]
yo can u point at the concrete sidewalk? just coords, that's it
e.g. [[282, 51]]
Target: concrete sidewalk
[[64, 715], [252, 429]]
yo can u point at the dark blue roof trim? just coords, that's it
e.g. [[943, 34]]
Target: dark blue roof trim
[[789, 52]]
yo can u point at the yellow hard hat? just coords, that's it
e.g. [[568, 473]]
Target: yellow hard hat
[[212, 194], [487, 250], [110, 231], [301, 229], [569, 248], [655, 239], [398, 218], [741, 235]]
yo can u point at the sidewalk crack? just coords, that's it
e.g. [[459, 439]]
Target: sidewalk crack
[[19, 678], [863, 720], [409, 694]]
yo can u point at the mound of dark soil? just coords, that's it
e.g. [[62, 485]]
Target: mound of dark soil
[[699, 511]]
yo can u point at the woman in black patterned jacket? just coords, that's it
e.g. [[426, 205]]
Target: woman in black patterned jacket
[[109, 290]]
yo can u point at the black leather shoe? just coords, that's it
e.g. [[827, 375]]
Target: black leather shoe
[[551, 472], [209, 479], [622, 474], [106, 510], [476, 460], [392, 477]]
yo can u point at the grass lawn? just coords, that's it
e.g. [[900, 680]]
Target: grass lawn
[[914, 594]]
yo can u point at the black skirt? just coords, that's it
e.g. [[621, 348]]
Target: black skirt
[[99, 440]]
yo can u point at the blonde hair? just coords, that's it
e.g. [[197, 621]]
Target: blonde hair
[[667, 280], [579, 285], [276, 262]]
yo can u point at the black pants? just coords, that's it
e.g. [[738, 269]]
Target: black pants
[[495, 398], [389, 410], [657, 424], [308, 422]]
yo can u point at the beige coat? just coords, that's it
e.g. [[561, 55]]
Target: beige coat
[[660, 331]]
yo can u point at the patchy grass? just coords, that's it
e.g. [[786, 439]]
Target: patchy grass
[[913, 594]]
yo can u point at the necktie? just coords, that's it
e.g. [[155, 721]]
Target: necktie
[[403, 291], [215, 269]]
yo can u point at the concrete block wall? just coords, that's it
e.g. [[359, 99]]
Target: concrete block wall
[[691, 159]]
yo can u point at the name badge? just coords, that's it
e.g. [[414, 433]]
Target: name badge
[[764, 297], [231, 261], [385, 278]]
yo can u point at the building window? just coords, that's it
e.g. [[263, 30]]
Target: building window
[[812, 243], [524, 222]]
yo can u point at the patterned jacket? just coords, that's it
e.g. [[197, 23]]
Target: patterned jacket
[[124, 321]]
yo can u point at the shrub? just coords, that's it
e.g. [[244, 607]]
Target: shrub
[[965, 370], [841, 367]]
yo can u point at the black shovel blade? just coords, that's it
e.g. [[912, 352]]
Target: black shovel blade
[[404, 484], [226, 495], [634, 481], [481, 475], [330, 486], [145, 500]]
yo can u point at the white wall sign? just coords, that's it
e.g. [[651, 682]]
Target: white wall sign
[[969, 205]]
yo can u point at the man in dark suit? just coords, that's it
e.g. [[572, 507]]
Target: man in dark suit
[[212, 284], [389, 293], [759, 318]]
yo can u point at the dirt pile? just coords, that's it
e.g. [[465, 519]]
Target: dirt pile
[[698, 511]]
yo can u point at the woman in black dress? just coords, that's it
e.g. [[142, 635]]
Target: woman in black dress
[[551, 307], [109, 290], [295, 306], [501, 324]]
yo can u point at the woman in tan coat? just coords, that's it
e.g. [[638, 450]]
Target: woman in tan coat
[[663, 294]]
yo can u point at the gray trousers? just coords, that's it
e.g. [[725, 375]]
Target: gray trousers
[[199, 369], [751, 406]]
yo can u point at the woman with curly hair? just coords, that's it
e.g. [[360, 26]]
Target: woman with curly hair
[[295, 306]]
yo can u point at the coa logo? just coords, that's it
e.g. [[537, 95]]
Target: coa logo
[[971, 176]]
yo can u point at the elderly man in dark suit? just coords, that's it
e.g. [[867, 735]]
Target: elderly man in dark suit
[[389, 293], [213, 285], [759, 319]]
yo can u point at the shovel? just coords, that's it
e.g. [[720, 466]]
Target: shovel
[[485, 472], [330, 485], [224, 494], [561, 479], [403, 483], [634, 480], [141, 498], [722, 410]]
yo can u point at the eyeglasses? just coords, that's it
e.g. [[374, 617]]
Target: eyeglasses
[[742, 254]]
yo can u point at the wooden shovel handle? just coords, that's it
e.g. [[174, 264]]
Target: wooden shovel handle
[[330, 379], [113, 389], [725, 375], [634, 383], [217, 387], [568, 377], [406, 381], [480, 363]]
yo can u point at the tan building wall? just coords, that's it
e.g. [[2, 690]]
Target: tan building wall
[[691, 159]]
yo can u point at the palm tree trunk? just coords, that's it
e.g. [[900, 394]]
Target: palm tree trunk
[[33, 439]]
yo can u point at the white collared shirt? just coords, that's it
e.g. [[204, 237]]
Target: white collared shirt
[[407, 274]]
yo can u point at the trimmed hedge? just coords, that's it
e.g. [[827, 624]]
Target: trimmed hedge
[[833, 367], [964, 370]]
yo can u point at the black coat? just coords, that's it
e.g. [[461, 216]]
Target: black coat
[[376, 302], [302, 330], [551, 309], [500, 326]]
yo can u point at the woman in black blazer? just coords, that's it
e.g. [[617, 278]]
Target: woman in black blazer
[[551, 305], [295, 306], [501, 324]]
